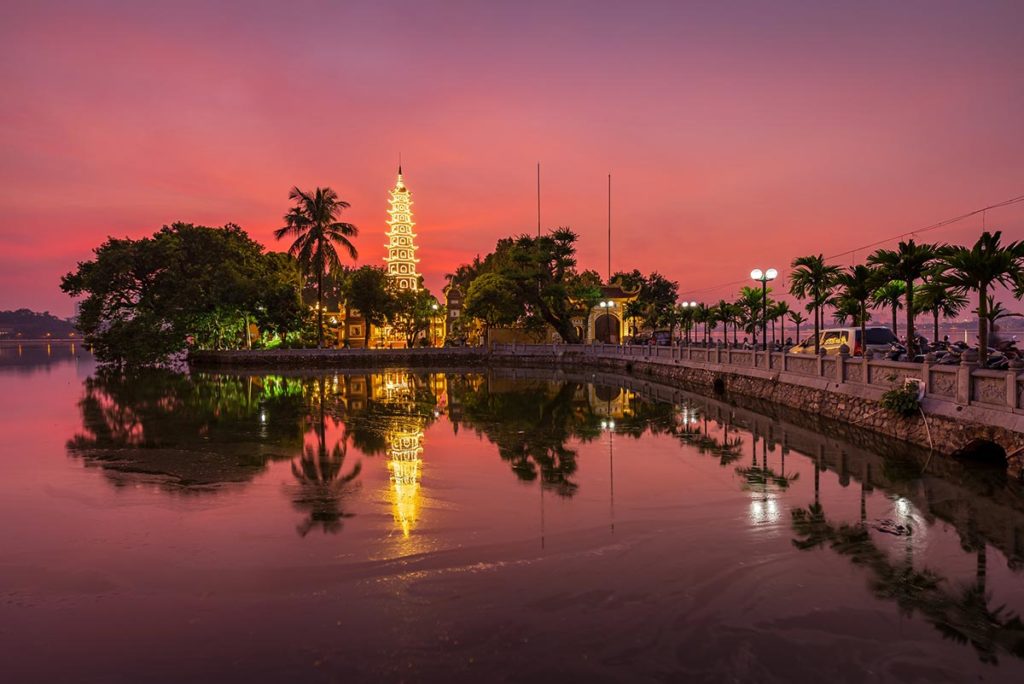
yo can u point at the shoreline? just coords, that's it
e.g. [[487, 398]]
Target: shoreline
[[943, 425]]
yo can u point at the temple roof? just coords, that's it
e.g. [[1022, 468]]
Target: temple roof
[[617, 292]]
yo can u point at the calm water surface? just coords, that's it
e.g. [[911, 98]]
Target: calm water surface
[[480, 526]]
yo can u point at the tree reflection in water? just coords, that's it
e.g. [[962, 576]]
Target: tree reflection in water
[[960, 612], [531, 427], [533, 423], [320, 474], [186, 434]]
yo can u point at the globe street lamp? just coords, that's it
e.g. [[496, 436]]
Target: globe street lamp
[[607, 305], [764, 277]]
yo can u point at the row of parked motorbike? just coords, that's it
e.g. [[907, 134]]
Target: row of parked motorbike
[[951, 353]]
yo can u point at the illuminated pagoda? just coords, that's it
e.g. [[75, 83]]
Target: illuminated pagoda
[[401, 259]]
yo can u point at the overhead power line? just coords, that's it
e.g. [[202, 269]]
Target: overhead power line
[[910, 233]]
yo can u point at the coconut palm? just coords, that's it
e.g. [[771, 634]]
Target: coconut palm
[[979, 268], [797, 318], [313, 222], [812, 279], [889, 295], [857, 285], [909, 262], [939, 300]]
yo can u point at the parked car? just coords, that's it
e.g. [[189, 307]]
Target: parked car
[[880, 339]]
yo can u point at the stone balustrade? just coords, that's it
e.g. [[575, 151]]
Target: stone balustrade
[[959, 385]]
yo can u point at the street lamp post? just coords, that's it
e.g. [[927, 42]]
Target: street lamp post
[[606, 307], [764, 277], [433, 326]]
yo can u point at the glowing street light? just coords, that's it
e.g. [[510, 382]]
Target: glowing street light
[[764, 277]]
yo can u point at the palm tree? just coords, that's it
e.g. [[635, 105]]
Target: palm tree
[[857, 285], [979, 268], [704, 315], [812, 279], [890, 294], [939, 300], [996, 311], [779, 312], [313, 223], [797, 318], [750, 304], [723, 312], [908, 262]]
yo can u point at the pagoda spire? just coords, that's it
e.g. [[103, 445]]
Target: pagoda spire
[[401, 260]]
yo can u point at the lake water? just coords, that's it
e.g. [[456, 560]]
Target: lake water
[[481, 526]]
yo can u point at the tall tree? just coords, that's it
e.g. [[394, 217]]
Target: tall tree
[[909, 262], [186, 287], [939, 299], [314, 225], [779, 311], [857, 285], [889, 294], [370, 290], [749, 303], [813, 279], [414, 312], [543, 272], [798, 319], [491, 299], [988, 263]]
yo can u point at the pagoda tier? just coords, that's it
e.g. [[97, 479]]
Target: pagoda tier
[[401, 259]]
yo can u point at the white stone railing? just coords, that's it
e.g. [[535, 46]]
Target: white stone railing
[[963, 385]]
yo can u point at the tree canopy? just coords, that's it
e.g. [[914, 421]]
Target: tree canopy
[[187, 286]]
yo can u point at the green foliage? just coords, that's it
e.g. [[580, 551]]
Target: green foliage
[[371, 291], [813, 279], [491, 298], [413, 311], [313, 222], [988, 263], [186, 286], [909, 262], [889, 294], [902, 399], [544, 283]]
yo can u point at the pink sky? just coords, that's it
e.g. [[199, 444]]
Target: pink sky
[[738, 134]]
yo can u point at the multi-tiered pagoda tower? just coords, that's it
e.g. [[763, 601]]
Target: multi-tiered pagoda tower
[[401, 258]]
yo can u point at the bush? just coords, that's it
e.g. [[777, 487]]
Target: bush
[[902, 399]]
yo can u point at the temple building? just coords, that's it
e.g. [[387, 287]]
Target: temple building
[[401, 259]]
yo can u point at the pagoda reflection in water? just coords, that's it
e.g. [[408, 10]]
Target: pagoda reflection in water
[[405, 399]]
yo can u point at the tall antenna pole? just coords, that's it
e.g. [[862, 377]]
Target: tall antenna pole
[[609, 228], [538, 199]]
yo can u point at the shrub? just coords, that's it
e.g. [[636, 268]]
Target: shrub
[[902, 399]]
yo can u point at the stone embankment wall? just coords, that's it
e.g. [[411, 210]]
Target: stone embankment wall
[[962, 404], [944, 424]]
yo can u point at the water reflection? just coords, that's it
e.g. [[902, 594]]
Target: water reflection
[[208, 433], [322, 478], [25, 358]]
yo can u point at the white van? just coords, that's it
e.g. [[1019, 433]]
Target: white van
[[831, 339]]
